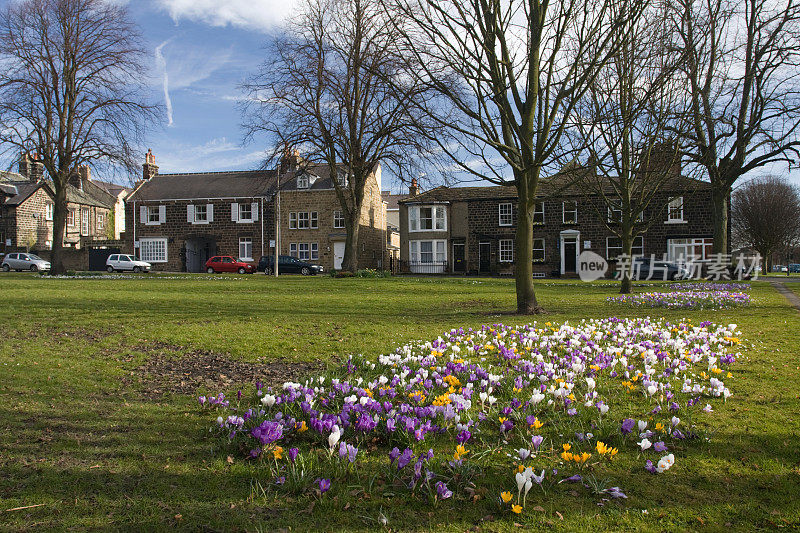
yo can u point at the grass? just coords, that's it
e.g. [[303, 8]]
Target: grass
[[85, 443]]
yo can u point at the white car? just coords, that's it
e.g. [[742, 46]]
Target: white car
[[120, 262], [31, 262]]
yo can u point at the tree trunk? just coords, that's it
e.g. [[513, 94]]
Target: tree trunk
[[720, 200], [59, 223], [627, 248], [523, 251], [350, 260]]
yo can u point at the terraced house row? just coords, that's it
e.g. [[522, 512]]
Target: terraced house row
[[178, 221], [472, 229]]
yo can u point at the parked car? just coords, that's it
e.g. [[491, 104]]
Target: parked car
[[120, 262], [226, 263], [19, 261], [794, 268], [643, 267], [287, 265]]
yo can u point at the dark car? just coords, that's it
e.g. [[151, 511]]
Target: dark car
[[226, 263], [287, 265]]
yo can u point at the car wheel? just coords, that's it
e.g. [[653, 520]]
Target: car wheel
[[137, 269], [110, 269], [305, 271], [34, 268], [268, 271], [6, 268], [242, 270], [210, 270]]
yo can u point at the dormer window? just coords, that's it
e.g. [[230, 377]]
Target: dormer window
[[302, 181], [341, 177]]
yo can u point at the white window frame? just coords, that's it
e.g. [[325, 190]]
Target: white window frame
[[70, 218], [506, 250], [153, 249], [293, 220], [244, 244], [564, 212], [313, 219], [689, 244], [48, 211], [675, 211], [341, 178], [244, 208], [537, 248], [505, 214], [338, 220], [614, 215], [438, 218], [197, 219], [303, 220], [84, 222], [101, 221], [438, 253], [538, 212], [153, 215], [303, 181], [637, 249], [293, 249]]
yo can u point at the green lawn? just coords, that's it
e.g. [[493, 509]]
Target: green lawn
[[86, 439]]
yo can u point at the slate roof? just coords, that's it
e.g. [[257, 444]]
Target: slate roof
[[25, 190], [202, 185], [91, 194], [393, 200], [111, 188]]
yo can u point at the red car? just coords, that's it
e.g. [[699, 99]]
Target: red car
[[226, 263]]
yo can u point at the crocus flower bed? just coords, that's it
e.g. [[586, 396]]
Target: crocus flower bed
[[730, 286], [684, 299], [498, 410]]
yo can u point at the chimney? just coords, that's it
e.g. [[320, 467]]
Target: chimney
[[413, 190], [30, 167], [290, 161], [149, 169]]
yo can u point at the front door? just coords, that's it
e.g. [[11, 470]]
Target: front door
[[459, 263], [570, 256], [338, 255], [484, 257]]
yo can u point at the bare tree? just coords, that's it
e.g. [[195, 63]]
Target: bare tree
[[334, 89], [741, 71], [509, 74], [627, 163], [70, 89], [765, 215]]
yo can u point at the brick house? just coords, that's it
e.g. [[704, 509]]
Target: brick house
[[26, 209], [472, 229], [178, 221]]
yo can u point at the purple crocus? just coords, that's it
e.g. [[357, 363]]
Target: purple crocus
[[324, 485], [660, 446], [536, 440], [292, 453], [650, 467], [464, 436], [627, 425], [405, 458], [443, 491], [394, 454]]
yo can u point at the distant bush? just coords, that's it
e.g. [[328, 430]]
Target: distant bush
[[372, 273]]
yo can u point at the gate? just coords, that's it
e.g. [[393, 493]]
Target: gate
[[98, 256]]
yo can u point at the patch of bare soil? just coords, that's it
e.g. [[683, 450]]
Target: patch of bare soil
[[169, 369]]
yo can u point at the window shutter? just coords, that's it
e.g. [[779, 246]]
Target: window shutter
[[235, 212], [190, 213], [210, 208], [162, 214], [143, 215], [254, 210]]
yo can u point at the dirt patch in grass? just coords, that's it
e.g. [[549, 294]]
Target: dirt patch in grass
[[170, 369]]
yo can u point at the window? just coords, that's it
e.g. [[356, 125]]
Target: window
[[71, 218], [292, 220], [506, 250], [338, 220], [153, 215], [432, 218], [428, 251], [341, 178], [313, 220], [48, 211], [538, 213], [675, 210], [153, 250], [569, 212], [85, 222], [538, 249], [698, 249], [246, 248], [302, 181], [245, 212], [293, 249], [614, 247], [305, 251], [304, 220], [200, 213], [101, 221], [614, 214], [505, 215]]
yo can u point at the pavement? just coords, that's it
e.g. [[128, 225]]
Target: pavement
[[788, 294]]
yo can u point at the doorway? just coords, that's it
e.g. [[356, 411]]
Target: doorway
[[484, 257], [459, 260], [569, 251], [338, 255], [198, 250]]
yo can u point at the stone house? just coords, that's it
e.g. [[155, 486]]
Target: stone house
[[178, 221], [26, 209], [472, 229]]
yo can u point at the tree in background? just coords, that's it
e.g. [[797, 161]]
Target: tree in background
[[627, 164], [508, 75], [71, 90], [333, 88], [765, 215], [741, 72]]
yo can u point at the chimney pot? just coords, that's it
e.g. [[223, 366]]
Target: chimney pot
[[149, 169], [413, 190]]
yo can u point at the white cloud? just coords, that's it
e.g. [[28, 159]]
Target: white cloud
[[214, 155], [161, 65], [261, 15]]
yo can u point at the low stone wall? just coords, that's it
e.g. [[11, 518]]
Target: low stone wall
[[73, 259]]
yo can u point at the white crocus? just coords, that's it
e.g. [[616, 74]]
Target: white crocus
[[645, 444], [268, 400]]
